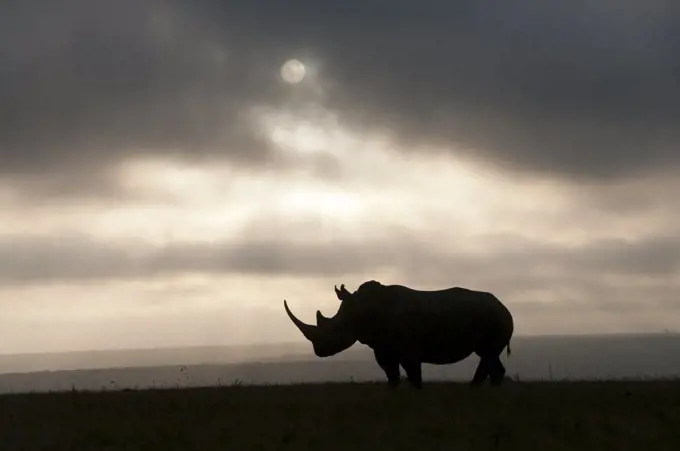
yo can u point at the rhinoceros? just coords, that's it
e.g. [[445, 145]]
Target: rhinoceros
[[410, 327]]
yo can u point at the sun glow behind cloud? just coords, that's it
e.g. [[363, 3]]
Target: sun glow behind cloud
[[372, 167], [375, 188]]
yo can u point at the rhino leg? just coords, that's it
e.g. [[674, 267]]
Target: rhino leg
[[490, 367], [414, 373], [481, 373], [489, 349], [390, 366], [496, 371]]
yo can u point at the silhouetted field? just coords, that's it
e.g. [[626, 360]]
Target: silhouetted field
[[518, 416]]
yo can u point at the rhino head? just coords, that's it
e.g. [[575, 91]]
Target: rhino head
[[333, 335]]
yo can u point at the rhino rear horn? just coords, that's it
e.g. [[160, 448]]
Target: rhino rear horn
[[320, 319]]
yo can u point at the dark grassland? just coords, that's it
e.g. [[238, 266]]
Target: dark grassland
[[619, 416]]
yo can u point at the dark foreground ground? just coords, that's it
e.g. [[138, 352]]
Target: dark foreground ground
[[444, 416]]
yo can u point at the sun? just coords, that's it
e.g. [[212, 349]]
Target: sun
[[293, 71]]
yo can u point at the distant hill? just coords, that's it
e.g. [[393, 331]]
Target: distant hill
[[533, 358], [98, 359]]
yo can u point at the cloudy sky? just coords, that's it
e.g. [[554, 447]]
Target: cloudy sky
[[162, 184]]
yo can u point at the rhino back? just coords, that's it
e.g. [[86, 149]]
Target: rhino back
[[450, 312]]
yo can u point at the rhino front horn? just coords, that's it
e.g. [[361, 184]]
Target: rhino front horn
[[309, 331]]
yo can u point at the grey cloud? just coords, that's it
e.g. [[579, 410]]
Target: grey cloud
[[578, 89], [607, 272], [30, 260], [643, 197], [542, 284], [39, 190]]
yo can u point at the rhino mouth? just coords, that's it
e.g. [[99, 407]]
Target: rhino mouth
[[324, 336]]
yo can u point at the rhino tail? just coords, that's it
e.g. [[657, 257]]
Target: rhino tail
[[507, 349]]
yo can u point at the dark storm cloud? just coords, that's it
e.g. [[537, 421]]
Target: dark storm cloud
[[582, 89], [86, 83]]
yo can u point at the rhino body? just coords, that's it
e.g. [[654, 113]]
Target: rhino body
[[407, 327]]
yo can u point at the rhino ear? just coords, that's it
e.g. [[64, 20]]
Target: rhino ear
[[342, 293]]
